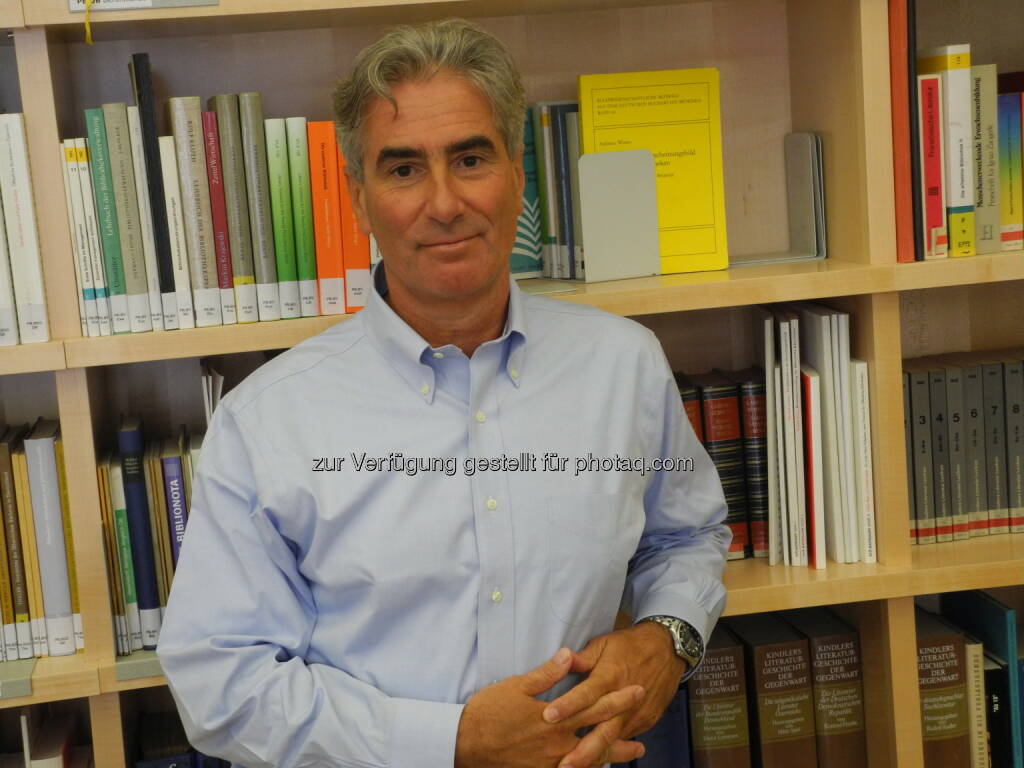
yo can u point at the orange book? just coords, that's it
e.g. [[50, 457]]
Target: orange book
[[899, 84], [357, 249], [325, 194]]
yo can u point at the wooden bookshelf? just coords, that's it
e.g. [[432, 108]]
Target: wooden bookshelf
[[987, 268], [11, 15], [56, 678], [30, 358]]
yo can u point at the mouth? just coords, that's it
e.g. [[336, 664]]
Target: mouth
[[451, 244]]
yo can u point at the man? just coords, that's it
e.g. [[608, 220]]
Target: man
[[417, 605]]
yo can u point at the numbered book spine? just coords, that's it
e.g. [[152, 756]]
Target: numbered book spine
[[187, 127], [74, 227], [940, 455], [22, 236], [219, 218], [92, 234], [302, 214], [1013, 387], [254, 152], [110, 238], [355, 247], [156, 309], [79, 238], [974, 434], [326, 197], [985, 143], [923, 473], [176, 233], [956, 447], [933, 180], [126, 207], [995, 447], [281, 215], [1011, 214]]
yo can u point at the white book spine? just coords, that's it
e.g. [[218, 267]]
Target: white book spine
[[308, 298], [850, 499], [22, 237], [246, 302], [862, 451], [9, 335], [789, 432], [11, 641], [25, 646], [80, 237], [780, 451], [92, 236], [839, 410], [798, 446], [288, 291], [145, 218], [814, 460], [176, 232], [73, 231], [357, 285], [76, 619], [207, 306], [766, 335], [332, 299], [267, 297]]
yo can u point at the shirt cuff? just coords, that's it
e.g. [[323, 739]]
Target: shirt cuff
[[423, 734]]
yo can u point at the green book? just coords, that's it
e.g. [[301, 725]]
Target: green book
[[106, 210], [281, 215], [124, 552], [302, 214]]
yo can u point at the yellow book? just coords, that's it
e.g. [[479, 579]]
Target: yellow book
[[69, 545], [28, 550], [675, 114]]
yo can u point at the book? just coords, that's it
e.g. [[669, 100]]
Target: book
[[995, 446], [156, 311], [691, 403], [17, 642], [902, 118], [1013, 389], [1011, 194], [837, 680], [9, 335], [941, 669], [864, 481], [77, 226], [176, 234], [187, 127], [279, 184], [813, 485], [932, 180], [953, 64], [51, 744], [126, 564], [956, 445], [236, 202], [326, 201], [779, 691], [974, 658], [764, 341], [527, 255], [985, 145], [26, 522], [719, 719], [219, 218], [126, 208], [22, 238], [922, 453], [254, 153], [940, 454], [753, 419], [142, 86], [908, 451], [174, 490], [675, 114], [976, 486], [92, 234], [563, 190], [302, 214], [355, 247], [997, 711], [69, 545]]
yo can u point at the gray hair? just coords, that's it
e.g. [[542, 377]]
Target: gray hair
[[419, 52]]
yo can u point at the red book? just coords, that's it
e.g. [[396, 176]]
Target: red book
[[691, 404], [899, 90], [222, 246], [933, 189]]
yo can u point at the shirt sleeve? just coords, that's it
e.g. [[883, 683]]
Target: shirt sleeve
[[237, 626], [677, 568]]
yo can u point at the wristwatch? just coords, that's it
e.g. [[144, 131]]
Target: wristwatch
[[687, 640]]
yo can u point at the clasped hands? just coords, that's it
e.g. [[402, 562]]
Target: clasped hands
[[632, 675]]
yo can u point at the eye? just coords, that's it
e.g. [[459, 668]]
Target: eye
[[402, 171], [471, 161]]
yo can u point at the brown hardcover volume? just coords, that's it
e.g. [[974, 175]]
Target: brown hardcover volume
[[691, 404], [719, 723], [779, 692], [942, 677], [836, 678]]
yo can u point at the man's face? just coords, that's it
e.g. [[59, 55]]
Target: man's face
[[439, 192]]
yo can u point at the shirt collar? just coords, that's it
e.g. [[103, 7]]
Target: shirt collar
[[405, 349]]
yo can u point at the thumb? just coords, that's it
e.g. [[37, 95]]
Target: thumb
[[540, 678]]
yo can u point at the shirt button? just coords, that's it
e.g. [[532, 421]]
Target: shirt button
[[492, 504], [480, 416], [425, 389], [513, 372], [439, 355], [496, 596]]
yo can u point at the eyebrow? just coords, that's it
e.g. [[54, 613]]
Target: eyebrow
[[409, 153]]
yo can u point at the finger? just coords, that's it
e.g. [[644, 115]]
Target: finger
[[578, 698], [608, 706], [592, 748], [539, 679], [584, 661], [624, 751]]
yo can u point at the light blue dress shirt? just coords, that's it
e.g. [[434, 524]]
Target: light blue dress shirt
[[331, 610]]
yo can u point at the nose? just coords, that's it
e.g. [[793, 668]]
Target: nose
[[444, 203]]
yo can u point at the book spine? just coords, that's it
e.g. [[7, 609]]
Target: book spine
[[236, 203], [9, 638], [838, 701], [783, 477], [219, 219], [126, 207], [974, 660], [691, 404], [995, 447], [110, 239], [940, 455], [326, 200], [355, 248], [28, 538], [76, 227], [187, 127], [122, 533], [9, 335], [719, 721], [799, 520], [302, 214], [526, 259], [720, 406], [814, 468], [985, 143], [145, 219], [254, 151], [549, 193], [566, 239], [923, 473], [143, 557], [572, 135], [1011, 194], [92, 231], [142, 85], [14, 555], [177, 515], [755, 460], [944, 719], [909, 449], [782, 694], [157, 522], [900, 56], [997, 715], [50, 547], [69, 546], [910, 41], [863, 461], [932, 180], [279, 183], [956, 447], [176, 234], [22, 236], [974, 434], [953, 63], [1013, 387]]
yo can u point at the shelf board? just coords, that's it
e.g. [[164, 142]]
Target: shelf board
[[194, 342], [11, 15], [987, 268], [139, 670], [979, 563], [58, 678], [30, 358]]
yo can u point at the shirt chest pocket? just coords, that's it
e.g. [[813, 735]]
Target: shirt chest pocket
[[590, 540]]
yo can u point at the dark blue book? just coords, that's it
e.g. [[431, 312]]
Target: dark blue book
[[995, 624], [129, 443], [668, 742], [997, 711], [563, 185]]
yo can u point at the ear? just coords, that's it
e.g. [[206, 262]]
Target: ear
[[357, 194]]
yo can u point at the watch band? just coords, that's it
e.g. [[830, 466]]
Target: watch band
[[689, 645]]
